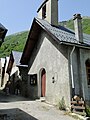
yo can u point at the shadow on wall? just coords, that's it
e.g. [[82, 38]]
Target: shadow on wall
[[15, 114]]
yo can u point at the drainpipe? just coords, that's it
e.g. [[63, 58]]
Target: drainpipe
[[73, 90]]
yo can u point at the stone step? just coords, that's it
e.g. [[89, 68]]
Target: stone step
[[42, 99]]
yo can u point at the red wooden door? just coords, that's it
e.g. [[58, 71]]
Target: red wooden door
[[43, 83]]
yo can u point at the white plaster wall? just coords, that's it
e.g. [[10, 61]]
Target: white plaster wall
[[54, 60]]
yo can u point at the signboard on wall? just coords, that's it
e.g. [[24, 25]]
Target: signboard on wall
[[33, 79]]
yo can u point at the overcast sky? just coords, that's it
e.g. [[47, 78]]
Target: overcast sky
[[17, 15]]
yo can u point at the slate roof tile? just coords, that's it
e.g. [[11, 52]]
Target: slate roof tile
[[63, 34]]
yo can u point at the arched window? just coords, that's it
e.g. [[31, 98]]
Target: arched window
[[88, 70], [44, 12]]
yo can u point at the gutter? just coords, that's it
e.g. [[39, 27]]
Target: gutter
[[75, 44], [72, 67]]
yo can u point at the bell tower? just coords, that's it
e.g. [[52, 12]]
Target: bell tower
[[49, 11]]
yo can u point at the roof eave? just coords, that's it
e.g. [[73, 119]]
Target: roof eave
[[25, 66], [75, 44], [30, 40]]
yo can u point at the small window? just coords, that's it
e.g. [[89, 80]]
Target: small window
[[88, 71], [33, 79], [44, 12]]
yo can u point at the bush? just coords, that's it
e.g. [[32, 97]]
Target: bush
[[62, 105], [87, 111]]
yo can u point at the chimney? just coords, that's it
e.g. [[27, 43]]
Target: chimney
[[78, 27], [49, 11]]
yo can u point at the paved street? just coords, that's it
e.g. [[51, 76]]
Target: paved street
[[18, 108]]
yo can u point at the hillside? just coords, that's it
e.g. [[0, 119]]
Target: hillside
[[13, 42], [85, 24], [17, 41]]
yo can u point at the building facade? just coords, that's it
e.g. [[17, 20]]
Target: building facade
[[58, 59]]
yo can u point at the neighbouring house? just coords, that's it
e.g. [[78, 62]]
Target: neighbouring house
[[13, 70], [57, 58], [3, 75], [2, 61], [3, 32]]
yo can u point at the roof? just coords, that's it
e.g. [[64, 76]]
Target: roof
[[15, 56], [61, 34], [2, 27], [42, 5], [3, 32]]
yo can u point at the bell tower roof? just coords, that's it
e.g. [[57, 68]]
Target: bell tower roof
[[44, 2]]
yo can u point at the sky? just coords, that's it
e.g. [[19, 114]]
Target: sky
[[17, 15]]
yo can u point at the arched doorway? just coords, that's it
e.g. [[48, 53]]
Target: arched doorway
[[43, 82]]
